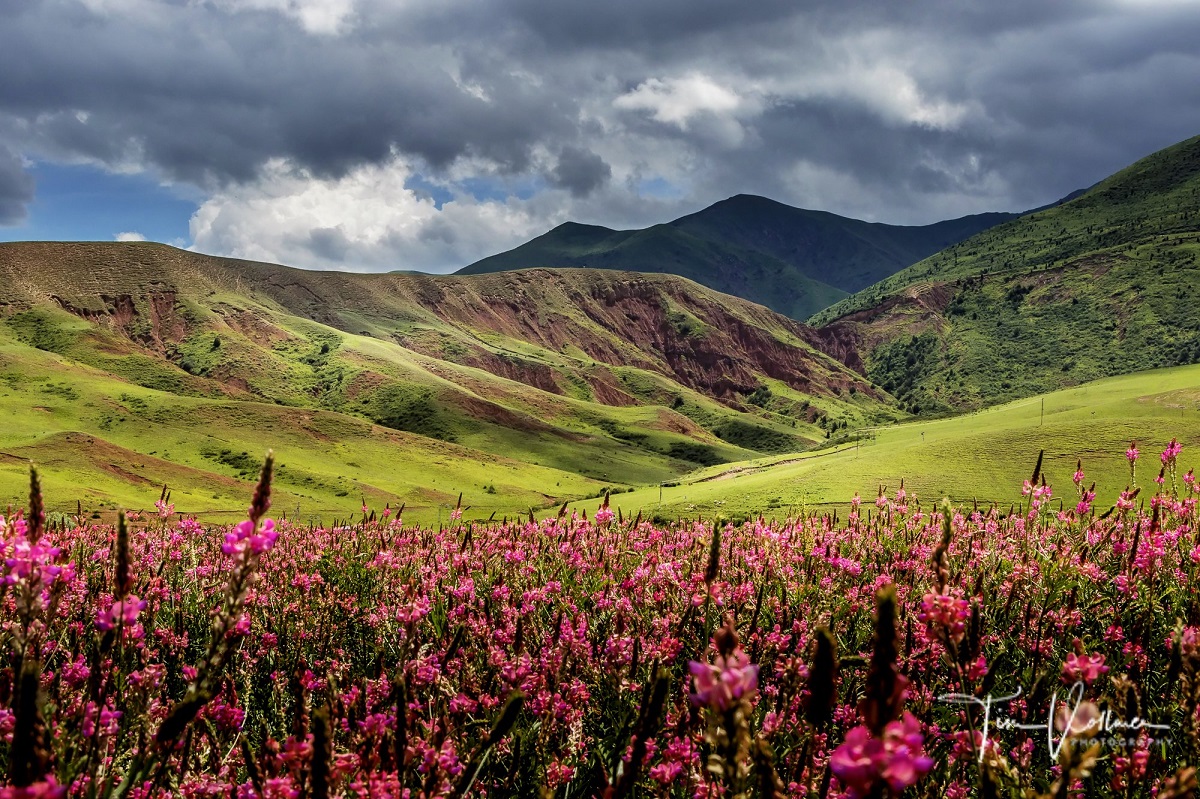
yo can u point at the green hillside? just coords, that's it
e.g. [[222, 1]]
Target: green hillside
[[735, 270], [108, 443], [1101, 285], [981, 456], [517, 389], [794, 261], [848, 253]]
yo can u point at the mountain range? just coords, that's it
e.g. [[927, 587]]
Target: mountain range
[[955, 315], [791, 260]]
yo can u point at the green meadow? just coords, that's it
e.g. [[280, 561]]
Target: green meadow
[[104, 444], [981, 456]]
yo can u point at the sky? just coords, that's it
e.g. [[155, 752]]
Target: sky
[[373, 135]]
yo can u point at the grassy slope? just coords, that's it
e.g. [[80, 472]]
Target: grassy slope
[[848, 253], [1101, 285], [983, 455], [187, 367], [106, 442]]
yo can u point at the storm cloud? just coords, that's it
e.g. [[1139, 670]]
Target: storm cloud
[[427, 134], [16, 187], [580, 171]]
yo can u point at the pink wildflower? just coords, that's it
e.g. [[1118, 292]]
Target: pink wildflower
[[280, 788], [666, 773], [948, 612], [1086, 668], [32, 562], [856, 763], [1188, 640], [898, 758], [728, 679], [244, 538], [1171, 452], [1076, 721], [43, 789], [1086, 498], [123, 613]]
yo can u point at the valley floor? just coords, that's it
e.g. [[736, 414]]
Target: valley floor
[[981, 456]]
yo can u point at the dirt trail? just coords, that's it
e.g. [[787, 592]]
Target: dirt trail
[[734, 472]]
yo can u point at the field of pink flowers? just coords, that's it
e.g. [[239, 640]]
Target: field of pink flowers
[[1051, 648]]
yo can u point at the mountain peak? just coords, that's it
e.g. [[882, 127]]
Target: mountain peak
[[792, 260], [575, 228]]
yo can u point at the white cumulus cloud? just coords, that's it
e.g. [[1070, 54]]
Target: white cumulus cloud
[[367, 219], [675, 101]]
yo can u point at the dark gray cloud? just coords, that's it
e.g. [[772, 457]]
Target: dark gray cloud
[[526, 112], [330, 244], [16, 187], [625, 24], [580, 171]]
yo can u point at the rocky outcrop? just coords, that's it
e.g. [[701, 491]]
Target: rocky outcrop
[[151, 319]]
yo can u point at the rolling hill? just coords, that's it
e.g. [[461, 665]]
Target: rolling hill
[[1101, 285], [794, 261], [974, 457], [126, 366]]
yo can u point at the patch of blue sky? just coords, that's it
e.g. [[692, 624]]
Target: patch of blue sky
[[491, 189], [481, 189], [419, 185], [85, 203], [659, 188]]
